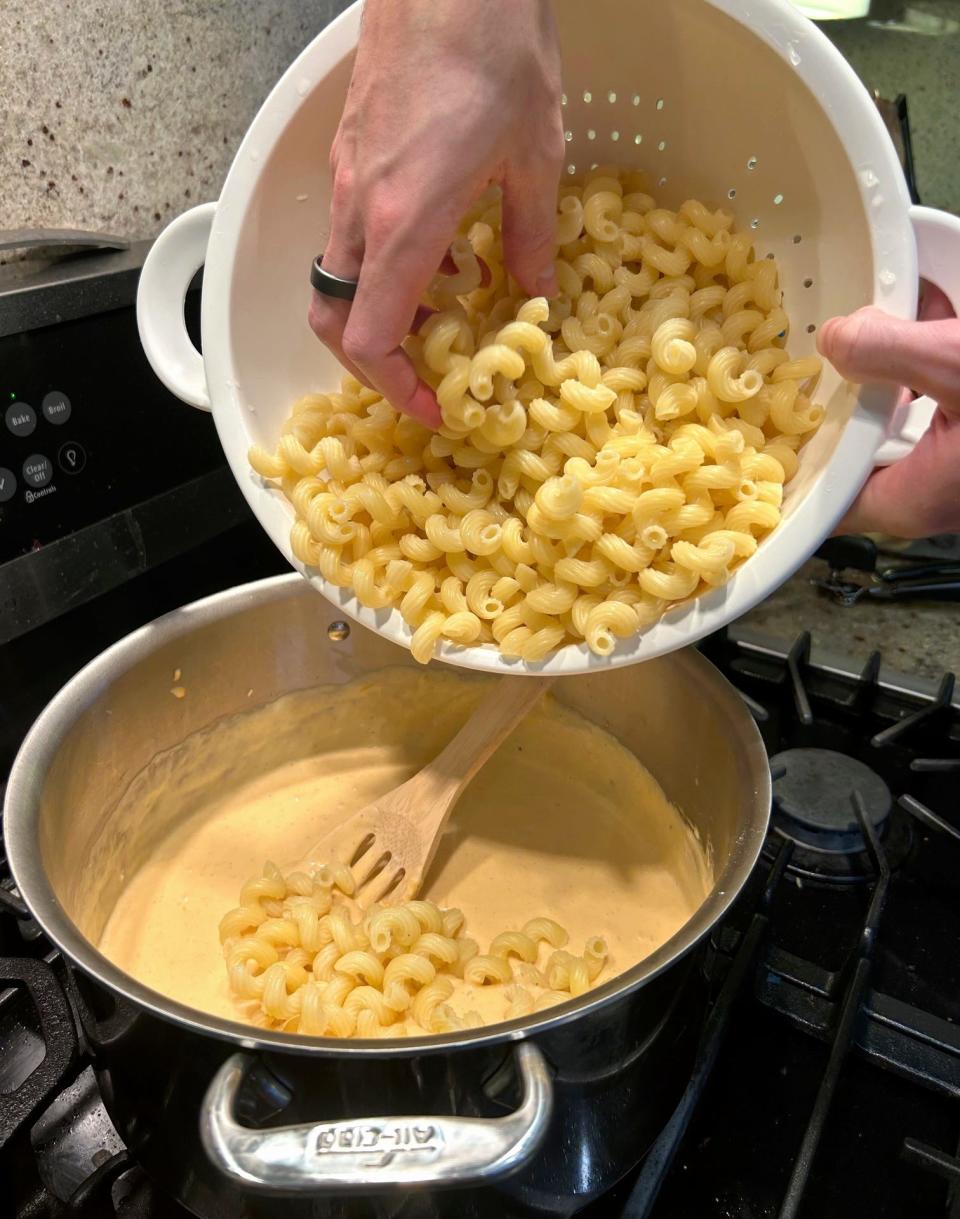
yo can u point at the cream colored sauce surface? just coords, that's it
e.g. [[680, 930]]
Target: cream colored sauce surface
[[563, 821]]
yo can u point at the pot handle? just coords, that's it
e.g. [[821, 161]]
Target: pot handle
[[938, 257], [174, 258], [374, 1152]]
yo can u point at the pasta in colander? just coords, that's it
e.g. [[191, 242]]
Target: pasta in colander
[[602, 457]]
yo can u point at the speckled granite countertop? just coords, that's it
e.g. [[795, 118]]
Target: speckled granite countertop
[[920, 638], [117, 116]]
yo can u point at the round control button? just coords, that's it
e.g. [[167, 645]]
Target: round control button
[[8, 484], [37, 470], [71, 458], [21, 419], [56, 407]]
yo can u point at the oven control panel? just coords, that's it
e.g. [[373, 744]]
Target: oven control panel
[[36, 472], [87, 430]]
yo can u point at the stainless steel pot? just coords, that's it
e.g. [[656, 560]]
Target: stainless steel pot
[[541, 1115]]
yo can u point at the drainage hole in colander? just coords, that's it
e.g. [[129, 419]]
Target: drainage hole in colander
[[755, 222], [563, 99], [614, 135], [591, 134], [568, 136], [659, 103], [662, 182], [636, 99], [611, 97], [797, 239], [811, 328], [752, 163], [777, 199], [662, 145], [638, 138], [587, 95], [732, 193], [808, 282]]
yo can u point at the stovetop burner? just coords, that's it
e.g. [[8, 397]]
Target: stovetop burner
[[813, 799], [816, 793]]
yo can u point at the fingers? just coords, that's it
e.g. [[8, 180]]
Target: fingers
[[870, 346], [343, 256], [366, 337], [918, 496], [327, 318], [365, 334], [400, 260], [529, 230]]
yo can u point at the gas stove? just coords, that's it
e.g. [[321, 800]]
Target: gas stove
[[827, 1080]]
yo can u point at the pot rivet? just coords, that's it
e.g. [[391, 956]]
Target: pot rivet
[[338, 631]]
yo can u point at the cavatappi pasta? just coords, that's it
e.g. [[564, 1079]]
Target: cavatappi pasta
[[302, 957], [603, 455]]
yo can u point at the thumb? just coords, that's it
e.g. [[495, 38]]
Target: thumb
[[529, 232], [869, 346]]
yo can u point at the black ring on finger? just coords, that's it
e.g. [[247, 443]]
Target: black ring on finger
[[331, 285]]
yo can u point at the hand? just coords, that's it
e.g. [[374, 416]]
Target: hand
[[447, 96], [920, 495]]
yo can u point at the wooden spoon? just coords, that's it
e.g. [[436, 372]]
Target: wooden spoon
[[399, 832]]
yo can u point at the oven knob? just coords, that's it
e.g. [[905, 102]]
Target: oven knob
[[37, 470], [71, 458], [56, 407], [21, 419], [8, 484]]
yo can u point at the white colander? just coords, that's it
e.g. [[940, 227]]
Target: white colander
[[749, 107]]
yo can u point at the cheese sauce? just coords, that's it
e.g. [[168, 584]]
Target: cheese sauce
[[563, 821]]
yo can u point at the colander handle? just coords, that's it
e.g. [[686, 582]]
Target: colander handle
[[175, 257], [938, 259], [938, 250]]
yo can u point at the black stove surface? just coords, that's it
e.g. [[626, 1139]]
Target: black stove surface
[[835, 1090], [828, 1078]]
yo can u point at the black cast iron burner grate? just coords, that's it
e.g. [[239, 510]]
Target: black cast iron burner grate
[[849, 1016]]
